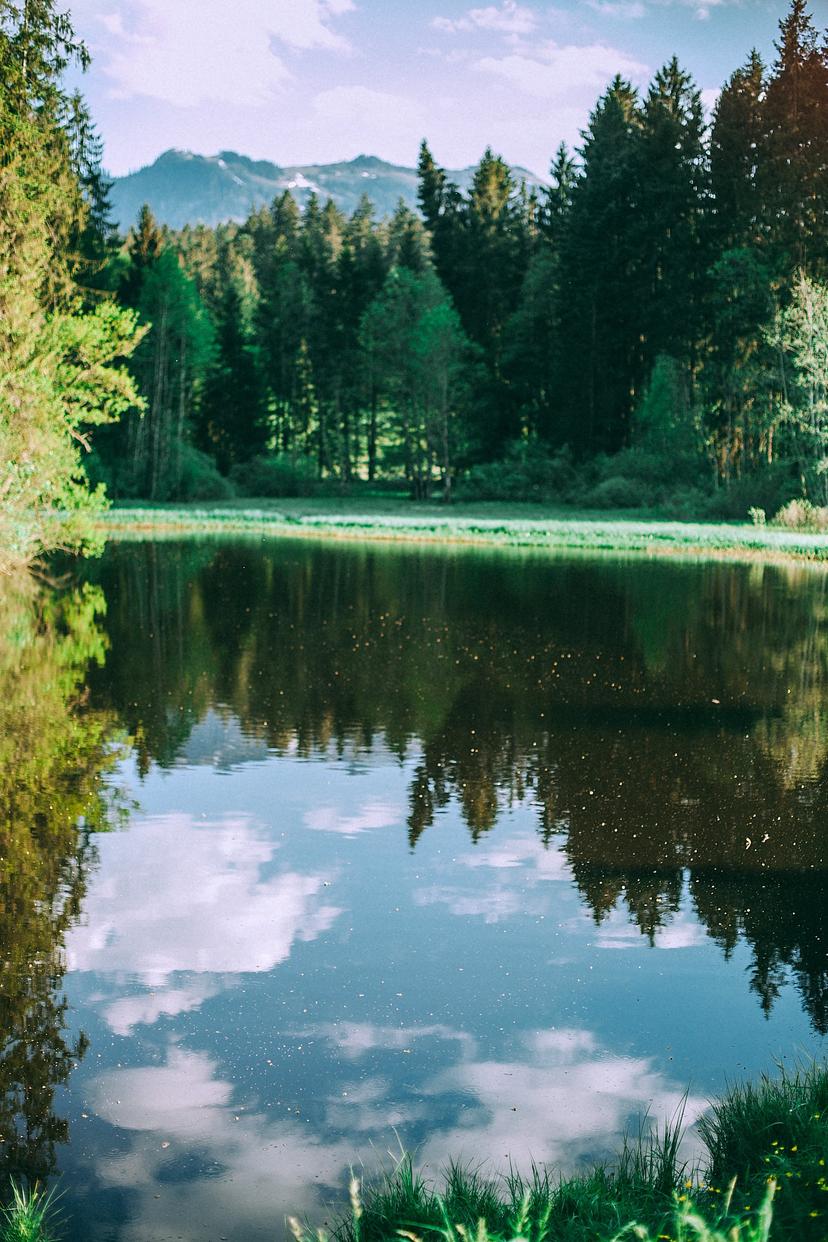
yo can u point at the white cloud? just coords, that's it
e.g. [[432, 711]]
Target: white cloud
[[557, 72], [374, 814], [562, 1097], [175, 897], [566, 1098], [266, 1163], [508, 18], [354, 1039], [358, 119], [192, 52], [626, 10]]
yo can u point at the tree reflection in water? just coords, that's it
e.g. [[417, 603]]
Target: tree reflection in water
[[53, 754], [666, 718]]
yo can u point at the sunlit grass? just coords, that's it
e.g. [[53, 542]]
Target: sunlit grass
[[30, 1216], [482, 524]]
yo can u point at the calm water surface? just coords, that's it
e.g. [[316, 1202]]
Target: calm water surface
[[314, 851]]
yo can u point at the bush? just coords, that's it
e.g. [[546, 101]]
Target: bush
[[768, 489], [802, 515], [527, 472], [617, 492], [199, 478], [280, 475]]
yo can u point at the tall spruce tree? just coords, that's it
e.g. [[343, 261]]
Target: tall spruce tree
[[793, 165], [672, 258], [735, 142], [600, 335]]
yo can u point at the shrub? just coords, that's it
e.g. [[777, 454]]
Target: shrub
[[768, 489], [280, 475], [617, 492], [802, 515], [199, 478], [527, 472]]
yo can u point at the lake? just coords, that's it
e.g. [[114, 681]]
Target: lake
[[317, 851]]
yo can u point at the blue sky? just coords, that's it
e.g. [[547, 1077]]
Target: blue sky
[[301, 81]]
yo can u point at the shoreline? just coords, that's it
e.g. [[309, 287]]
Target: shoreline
[[558, 532]]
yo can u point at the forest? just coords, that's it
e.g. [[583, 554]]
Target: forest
[[650, 330]]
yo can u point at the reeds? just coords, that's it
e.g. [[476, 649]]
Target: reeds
[[29, 1216]]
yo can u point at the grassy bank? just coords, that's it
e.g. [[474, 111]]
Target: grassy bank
[[484, 524], [764, 1178]]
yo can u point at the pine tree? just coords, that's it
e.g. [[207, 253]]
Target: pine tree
[[558, 195], [600, 335], [672, 184], [407, 242], [735, 142], [441, 204], [793, 165], [232, 421]]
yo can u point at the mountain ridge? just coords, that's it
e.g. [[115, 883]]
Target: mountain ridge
[[182, 187]]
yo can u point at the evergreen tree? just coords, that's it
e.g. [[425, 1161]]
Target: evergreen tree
[[558, 195], [407, 242], [735, 142], [422, 367], [600, 335], [793, 165], [739, 384], [441, 204], [672, 186], [232, 420]]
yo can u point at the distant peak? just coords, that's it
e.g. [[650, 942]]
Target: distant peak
[[368, 161]]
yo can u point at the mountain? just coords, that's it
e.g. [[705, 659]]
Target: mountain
[[183, 188]]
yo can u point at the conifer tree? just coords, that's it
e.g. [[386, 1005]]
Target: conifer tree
[[600, 354], [672, 184], [735, 142], [793, 166]]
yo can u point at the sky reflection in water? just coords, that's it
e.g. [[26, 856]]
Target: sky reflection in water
[[485, 856]]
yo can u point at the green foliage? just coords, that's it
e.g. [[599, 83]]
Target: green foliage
[[280, 475], [30, 1216], [663, 297], [52, 759], [199, 478], [527, 472], [776, 1128], [59, 372]]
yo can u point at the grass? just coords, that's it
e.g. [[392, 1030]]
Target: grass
[[764, 1180], [30, 1215], [486, 524]]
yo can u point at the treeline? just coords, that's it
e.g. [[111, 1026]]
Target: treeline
[[651, 328], [654, 322]]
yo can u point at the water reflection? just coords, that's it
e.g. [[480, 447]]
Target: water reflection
[[218, 912], [664, 718], [496, 852], [53, 754]]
